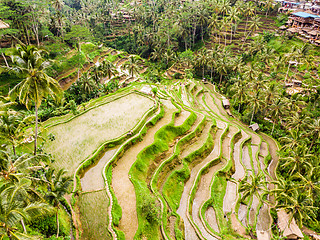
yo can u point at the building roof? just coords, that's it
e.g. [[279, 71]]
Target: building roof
[[3, 25], [305, 15], [225, 102], [254, 127], [292, 30]]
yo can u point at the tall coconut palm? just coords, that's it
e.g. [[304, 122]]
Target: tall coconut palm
[[234, 17], [202, 59], [58, 185], [253, 186], [297, 121], [314, 131], [292, 140], [300, 206], [12, 126], [255, 103], [240, 92], [132, 65], [16, 206], [275, 111], [108, 69], [254, 26], [298, 160], [309, 182], [213, 23], [36, 84]]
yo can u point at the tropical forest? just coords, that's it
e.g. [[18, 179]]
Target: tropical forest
[[159, 119]]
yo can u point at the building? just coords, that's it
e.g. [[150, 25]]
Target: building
[[254, 127], [226, 103], [3, 25]]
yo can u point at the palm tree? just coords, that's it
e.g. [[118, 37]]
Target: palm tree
[[314, 131], [298, 160], [255, 185], [36, 84], [87, 83], [309, 182], [300, 206], [297, 121], [213, 23], [255, 102], [12, 169], [275, 111], [58, 186], [203, 20], [132, 65], [108, 69], [223, 64], [293, 139], [12, 126], [224, 6], [225, 24], [248, 12], [240, 92], [254, 26], [234, 17], [202, 59], [16, 206]]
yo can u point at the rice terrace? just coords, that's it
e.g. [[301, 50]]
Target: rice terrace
[[159, 120], [165, 166]]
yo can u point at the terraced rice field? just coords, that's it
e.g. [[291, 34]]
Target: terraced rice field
[[176, 176]]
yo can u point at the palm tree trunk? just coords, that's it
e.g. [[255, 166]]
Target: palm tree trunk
[[272, 128], [14, 150], [287, 72], [239, 108], [254, 108], [23, 226], [36, 131], [5, 60], [57, 219], [220, 80], [203, 71]]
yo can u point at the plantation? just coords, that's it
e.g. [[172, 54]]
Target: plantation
[[157, 120]]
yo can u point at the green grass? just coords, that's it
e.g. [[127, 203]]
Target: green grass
[[174, 186], [78, 138], [149, 225], [93, 207]]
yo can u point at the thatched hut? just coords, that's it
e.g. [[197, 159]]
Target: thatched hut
[[254, 127], [226, 103]]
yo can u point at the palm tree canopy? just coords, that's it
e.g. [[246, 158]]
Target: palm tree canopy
[[36, 85]]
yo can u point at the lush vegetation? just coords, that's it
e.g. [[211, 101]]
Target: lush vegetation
[[225, 42]]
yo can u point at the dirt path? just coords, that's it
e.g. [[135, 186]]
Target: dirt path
[[121, 183], [93, 179], [190, 232]]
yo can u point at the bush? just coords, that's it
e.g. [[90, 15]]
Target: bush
[[177, 75]]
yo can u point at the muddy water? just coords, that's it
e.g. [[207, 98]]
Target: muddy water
[[198, 143], [211, 218], [246, 158], [184, 97], [121, 183], [253, 210], [179, 120], [256, 162], [93, 179], [230, 197], [190, 232], [203, 192], [242, 214]]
